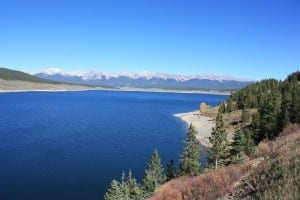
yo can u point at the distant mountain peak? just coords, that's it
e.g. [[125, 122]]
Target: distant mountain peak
[[145, 79], [55, 71], [98, 75]]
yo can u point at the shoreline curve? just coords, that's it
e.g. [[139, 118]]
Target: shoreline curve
[[202, 124]]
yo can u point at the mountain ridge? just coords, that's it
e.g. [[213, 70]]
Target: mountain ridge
[[145, 79]]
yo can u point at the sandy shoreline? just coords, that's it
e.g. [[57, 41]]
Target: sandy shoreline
[[203, 124]]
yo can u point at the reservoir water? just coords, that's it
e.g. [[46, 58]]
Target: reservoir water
[[70, 145]]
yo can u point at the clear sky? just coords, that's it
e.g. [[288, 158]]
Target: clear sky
[[246, 38]]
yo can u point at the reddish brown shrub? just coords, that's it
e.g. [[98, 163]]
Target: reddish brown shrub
[[263, 148], [290, 129], [206, 186]]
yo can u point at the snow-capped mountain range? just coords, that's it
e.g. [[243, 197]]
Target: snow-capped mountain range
[[145, 79]]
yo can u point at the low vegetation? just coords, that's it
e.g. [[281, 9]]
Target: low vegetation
[[278, 176], [210, 185]]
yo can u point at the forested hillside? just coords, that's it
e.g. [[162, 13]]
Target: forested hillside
[[8, 74], [278, 104]]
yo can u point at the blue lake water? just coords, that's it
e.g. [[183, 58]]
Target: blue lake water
[[70, 145]]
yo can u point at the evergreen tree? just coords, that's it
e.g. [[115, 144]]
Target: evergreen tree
[[238, 146], [249, 145], [284, 116], [170, 170], [218, 153], [230, 106], [295, 106], [189, 163], [153, 174], [291, 99], [114, 192], [222, 108], [132, 188], [245, 116], [256, 127], [241, 100], [127, 189], [268, 121]]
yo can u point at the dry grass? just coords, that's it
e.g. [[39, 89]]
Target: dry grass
[[278, 177], [211, 112], [263, 148], [207, 186], [232, 119]]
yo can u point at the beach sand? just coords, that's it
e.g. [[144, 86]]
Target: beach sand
[[203, 124]]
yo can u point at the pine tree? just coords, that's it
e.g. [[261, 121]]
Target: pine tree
[[114, 192], [133, 190], [255, 126], [153, 174], [245, 116], [189, 163], [170, 170], [268, 121], [222, 108], [295, 106], [284, 116], [230, 106], [238, 146], [127, 189], [249, 145], [218, 153]]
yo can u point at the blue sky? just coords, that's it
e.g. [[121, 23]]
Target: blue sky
[[247, 38]]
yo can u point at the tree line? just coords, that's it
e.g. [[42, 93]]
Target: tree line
[[278, 103]]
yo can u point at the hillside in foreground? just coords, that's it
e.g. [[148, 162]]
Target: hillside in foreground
[[262, 160], [273, 172]]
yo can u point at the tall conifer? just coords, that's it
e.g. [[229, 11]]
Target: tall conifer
[[218, 153], [189, 162], [154, 175]]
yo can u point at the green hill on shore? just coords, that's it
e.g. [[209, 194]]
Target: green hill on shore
[[8, 74]]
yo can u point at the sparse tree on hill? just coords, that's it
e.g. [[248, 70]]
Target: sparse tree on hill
[[295, 92], [245, 116], [114, 191], [222, 108], [230, 106], [189, 162], [249, 145], [255, 126], [127, 189], [218, 153], [133, 189], [238, 146], [284, 116], [170, 170], [154, 175]]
